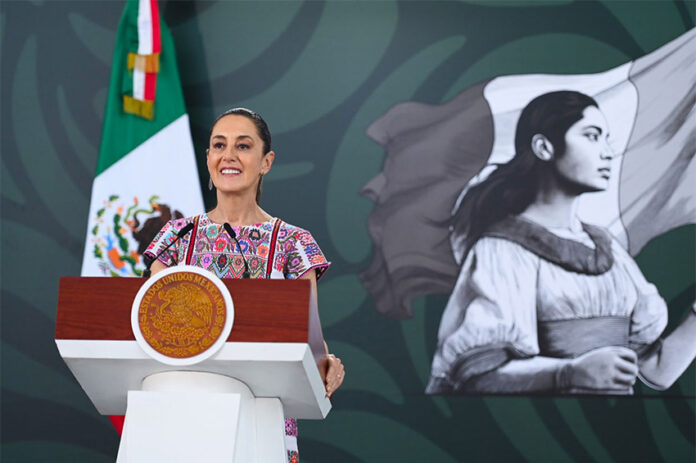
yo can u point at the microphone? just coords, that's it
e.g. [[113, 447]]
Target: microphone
[[233, 235], [148, 261]]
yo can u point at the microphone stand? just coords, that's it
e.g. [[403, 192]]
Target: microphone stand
[[233, 235]]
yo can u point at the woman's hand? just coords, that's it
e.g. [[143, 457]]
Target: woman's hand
[[335, 373], [157, 267], [612, 367], [332, 371]]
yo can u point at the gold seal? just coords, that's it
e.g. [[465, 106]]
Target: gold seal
[[182, 314]]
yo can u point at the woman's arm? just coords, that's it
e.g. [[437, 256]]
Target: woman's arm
[[334, 372], [605, 368], [664, 365], [665, 360]]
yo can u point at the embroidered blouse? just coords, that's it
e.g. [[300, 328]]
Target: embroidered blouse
[[291, 250]]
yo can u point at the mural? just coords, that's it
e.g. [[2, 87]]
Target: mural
[[534, 282], [322, 73]]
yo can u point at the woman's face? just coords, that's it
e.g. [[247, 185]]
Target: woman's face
[[586, 162], [235, 157]]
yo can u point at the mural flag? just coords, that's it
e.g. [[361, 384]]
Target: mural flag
[[434, 152], [146, 172]]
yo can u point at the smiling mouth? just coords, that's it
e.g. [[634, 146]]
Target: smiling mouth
[[230, 171]]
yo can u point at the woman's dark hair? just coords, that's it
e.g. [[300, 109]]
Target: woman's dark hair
[[261, 128], [513, 186]]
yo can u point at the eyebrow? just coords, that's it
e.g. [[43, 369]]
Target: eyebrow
[[238, 138], [598, 129]]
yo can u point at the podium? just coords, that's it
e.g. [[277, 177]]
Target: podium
[[227, 408]]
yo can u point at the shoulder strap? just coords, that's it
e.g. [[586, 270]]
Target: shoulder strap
[[192, 242], [272, 245]]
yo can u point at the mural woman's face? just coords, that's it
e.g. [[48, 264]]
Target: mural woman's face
[[586, 162]]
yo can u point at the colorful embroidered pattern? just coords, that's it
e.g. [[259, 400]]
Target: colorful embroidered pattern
[[296, 252], [293, 456], [291, 427]]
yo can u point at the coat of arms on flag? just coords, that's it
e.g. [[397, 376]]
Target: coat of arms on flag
[[122, 231]]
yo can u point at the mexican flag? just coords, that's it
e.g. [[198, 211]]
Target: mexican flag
[[146, 172], [435, 152]]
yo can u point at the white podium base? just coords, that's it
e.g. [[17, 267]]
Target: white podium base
[[185, 416]]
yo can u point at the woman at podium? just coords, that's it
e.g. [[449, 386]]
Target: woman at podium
[[238, 239]]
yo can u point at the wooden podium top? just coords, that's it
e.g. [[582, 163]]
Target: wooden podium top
[[99, 308]]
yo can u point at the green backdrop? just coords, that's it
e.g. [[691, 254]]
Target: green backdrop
[[320, 73]]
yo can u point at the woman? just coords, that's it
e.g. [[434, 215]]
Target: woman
[[543, 302], [238, 157]]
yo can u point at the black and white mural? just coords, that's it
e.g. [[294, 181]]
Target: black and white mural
[[526, 198]]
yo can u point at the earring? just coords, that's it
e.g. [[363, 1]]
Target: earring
[[210, 184]]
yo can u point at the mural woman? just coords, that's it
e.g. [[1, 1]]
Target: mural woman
[[238, 157], [543, 302]]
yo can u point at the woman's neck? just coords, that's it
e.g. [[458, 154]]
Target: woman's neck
[[556, 203], [554, 209], [237, 211]]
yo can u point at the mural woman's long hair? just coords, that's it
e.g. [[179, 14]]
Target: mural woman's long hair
[[513, 186]]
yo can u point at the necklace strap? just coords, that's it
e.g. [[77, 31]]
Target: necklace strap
[[271, 251], [192, 242]]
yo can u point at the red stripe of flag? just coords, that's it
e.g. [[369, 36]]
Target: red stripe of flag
[[117, 421], [151, 78], [156, 41], [150, 84]]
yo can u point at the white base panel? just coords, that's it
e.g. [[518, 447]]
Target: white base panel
[[189, 416]]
